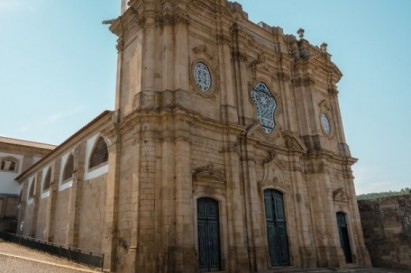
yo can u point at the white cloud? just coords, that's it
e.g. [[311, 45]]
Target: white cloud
[[55, 117], [14, 5], [371, 179], [50, 119], [21, 5]]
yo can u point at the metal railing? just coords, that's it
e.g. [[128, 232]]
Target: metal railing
[[72, 254]]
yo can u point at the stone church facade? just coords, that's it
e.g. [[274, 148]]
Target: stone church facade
[[225, 152]]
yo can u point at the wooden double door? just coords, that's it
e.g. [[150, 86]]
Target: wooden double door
[[276, 228], [209, 232], [208, 235]]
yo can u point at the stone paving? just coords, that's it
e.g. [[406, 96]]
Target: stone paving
[[18, 259]]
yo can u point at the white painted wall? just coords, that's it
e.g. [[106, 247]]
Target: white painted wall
[[69, 183], [7, 183], [95, 172]]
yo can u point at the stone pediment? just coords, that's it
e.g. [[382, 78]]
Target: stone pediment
[[294, 143], [209, 172], [273, 174], [339, 195], [256, 131]]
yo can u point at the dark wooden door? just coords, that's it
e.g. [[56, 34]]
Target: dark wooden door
[[344, 239], [208, 235], [276, 228]]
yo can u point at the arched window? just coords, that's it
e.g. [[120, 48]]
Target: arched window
[[99, 154], [8, 164], [31, 189], [47, 180], [68, 168]]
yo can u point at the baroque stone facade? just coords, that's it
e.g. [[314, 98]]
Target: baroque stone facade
[[226, 152], [386, 224]]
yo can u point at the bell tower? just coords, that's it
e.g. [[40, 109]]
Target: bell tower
[[152, 53]]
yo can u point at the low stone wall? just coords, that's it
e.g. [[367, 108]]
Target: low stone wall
[[386, 225]]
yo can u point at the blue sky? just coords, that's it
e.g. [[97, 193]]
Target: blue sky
[[58, 67]]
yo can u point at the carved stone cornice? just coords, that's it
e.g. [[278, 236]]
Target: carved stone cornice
[[239, 56], [283, 76], [203, 49], [303, 82], [128, 21], [333, 91], [172, 20], [231, 148], [223, 39]]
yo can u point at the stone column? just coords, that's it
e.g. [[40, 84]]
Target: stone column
[[75, 193], [238, 258], [146, 251], [323, 217], [36, 203], [304, 229], [54, 190], [254, 209], [109, 239], [185, 253]]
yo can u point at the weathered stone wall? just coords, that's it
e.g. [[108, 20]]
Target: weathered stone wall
[[386, 224], [61, 216], [91, 220], [70, 212]]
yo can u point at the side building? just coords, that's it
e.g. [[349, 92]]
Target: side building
[[16, 156], [225, 152]]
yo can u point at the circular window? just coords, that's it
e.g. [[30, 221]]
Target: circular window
[[202, 77], [325, 123]]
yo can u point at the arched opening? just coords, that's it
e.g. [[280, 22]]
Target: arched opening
[[209, 251], [31, 188], [68, 168], [276, 228], [344, 238], [47, 180], [99, 155], [8, 164]]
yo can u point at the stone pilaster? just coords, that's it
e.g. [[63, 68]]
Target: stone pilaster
[[51, 206], [109, 240], [74, 205], [252, 205], [185, 255]]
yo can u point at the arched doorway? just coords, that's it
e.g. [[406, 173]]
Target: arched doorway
[[276, 228], [208, 235], [344, 238]]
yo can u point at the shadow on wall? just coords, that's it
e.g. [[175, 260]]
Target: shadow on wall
[[8, 213]]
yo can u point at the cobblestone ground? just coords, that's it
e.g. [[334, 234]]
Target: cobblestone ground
[[17, 259]]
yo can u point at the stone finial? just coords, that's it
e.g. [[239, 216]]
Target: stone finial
[[300, 33], [323, 47]]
